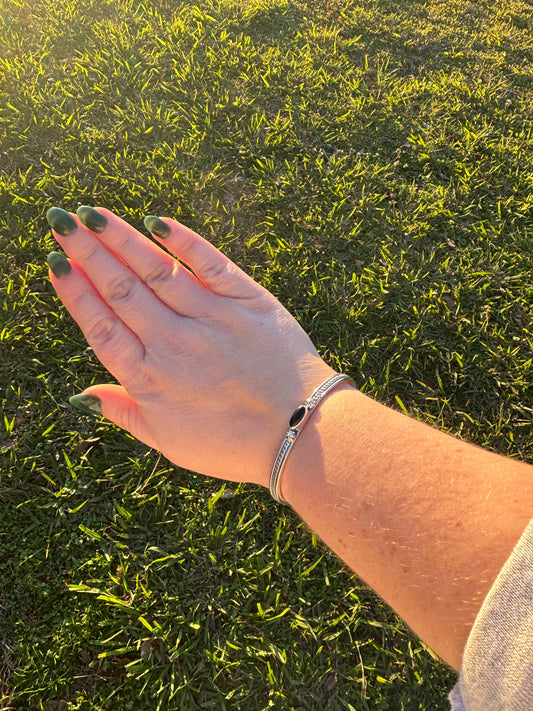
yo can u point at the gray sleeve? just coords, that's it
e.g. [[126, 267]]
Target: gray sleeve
[[497, 668]]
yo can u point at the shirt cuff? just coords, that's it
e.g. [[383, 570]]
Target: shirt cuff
[[497, 667]]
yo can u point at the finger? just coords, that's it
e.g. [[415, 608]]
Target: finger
[[210, 265], [132, 301], [115, 404], [114, 344], [172, 282]]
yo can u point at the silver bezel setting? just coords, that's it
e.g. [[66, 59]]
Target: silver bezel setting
[[293, 432]]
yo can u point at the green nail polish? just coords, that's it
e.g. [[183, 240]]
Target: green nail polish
[[91, 218], [89, 404], [61, 221], [156, 226], [58, 263]]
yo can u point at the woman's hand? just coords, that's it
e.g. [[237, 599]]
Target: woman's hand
[[210, 364]]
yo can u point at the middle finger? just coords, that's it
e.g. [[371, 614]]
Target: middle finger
[[175, 285]]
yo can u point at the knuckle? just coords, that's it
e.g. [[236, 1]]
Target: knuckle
[[188, 242], [123, 241], [103, 331], [121, 289], [79, 302], [159, 274], [89, 251], [214, 270], [131, 419]]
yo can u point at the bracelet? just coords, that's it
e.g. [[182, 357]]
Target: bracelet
[[297, 422]]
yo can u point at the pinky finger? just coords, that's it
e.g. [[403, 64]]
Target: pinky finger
[[116, 347]]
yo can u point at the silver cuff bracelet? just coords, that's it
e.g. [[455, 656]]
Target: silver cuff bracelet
[[297, 422]]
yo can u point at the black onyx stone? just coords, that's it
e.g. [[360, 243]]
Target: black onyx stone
[[297, 416]]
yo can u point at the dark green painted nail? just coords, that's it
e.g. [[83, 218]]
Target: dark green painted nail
[[89, 404], [61, 221], [58, 263], [91, 218], [156, 226]]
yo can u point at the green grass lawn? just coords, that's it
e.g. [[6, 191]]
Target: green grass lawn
[[368, 162]]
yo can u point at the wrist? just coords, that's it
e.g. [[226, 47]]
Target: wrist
[[297, 423], [318, 447]]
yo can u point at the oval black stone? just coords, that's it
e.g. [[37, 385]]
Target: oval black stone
[[297, 416]]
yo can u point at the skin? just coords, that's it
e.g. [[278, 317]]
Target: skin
[[427, 520], [213, 359]]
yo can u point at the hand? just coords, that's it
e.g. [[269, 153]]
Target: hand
[[210, 364]]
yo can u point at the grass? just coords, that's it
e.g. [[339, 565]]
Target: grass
[[371, 164]]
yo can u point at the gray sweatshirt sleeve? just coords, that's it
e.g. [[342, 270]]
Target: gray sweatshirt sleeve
[[497, 668]]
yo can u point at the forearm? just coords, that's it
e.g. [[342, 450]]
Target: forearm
[[425, 519]]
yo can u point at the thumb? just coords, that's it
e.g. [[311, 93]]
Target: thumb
[[115, 404]]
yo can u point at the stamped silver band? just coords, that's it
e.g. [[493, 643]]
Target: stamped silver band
[[297, 422]]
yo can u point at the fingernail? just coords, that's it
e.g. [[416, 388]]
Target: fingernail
[[58, 263], [156, 226], [89, 404], [61, 221], [91, 218]]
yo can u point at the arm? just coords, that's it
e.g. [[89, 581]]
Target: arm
[[425, 519], [211, 366]]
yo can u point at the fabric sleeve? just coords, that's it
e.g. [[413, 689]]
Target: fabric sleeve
[[497, 667]]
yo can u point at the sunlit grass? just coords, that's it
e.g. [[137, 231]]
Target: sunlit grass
[[369, 163]]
